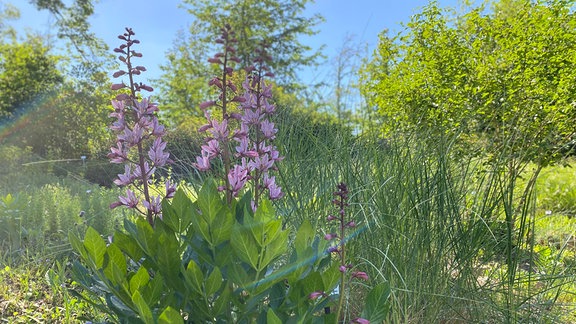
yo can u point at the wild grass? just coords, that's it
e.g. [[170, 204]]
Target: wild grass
[[454, 236], [459, 240]]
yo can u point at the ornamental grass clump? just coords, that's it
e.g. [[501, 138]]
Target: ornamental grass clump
[[139, 144], [254, 155]]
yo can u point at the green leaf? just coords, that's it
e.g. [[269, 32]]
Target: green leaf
[[304, 237], [272, 318], [139, 279], [169, 216], [209, 201], [200, 225], [331, 276], [82, 275], [301, 289], [77, 245], [214, 282], [274, 249], [177, 213], [145, 236], [143, 309], [154, 289], [238, 275], [194, 276], [221, 227], [95, 247], [377, 304], [128, 245], [168, 258], [170, 315], [115, 267], [221, 303], [244, 245]]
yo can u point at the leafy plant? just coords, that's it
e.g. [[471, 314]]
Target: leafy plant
[[207, 260]]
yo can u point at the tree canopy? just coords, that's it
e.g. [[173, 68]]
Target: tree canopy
[[501, 76], [278, 24]]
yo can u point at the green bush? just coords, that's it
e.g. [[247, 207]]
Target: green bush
[[556, 190]]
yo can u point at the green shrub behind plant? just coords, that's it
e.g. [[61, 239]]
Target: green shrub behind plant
[[556, 190]]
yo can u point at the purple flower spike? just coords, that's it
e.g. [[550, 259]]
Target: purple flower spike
[[254, 157], [136, 126]]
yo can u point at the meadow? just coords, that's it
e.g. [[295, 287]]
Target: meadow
[[448, 200], [432, 225]]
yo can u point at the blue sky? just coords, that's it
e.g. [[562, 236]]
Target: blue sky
[[157, 22]]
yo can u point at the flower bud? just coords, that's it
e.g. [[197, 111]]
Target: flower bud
[[316, 294], [118, 73], [118, 86], [360, 275]]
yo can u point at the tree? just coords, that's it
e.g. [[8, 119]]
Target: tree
[[279, 24], [60, 102], [7, 12], [502, 77], [27, 73], [184, 84]]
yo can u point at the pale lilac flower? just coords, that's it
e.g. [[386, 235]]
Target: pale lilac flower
[[154, 205], [212, 149], [330, 236], [243, 150], [268, 108], [170, 189], [360, 320], [207, 104], [118, 153], [157, 154], [119, 124], [130, 200], [333, 249], [202, 163], [237, 178], [268, 129], [251, 117], [145, 172], [261, 163], [157, 128], [220, 130], [125, 178], [204, 128], [275, 191]]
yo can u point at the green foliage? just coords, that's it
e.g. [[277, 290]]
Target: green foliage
[[59, 102], [279, 24], [499, 76], [35, 292], [27, 73], [210, 262], [184, 83], [556, 191]]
